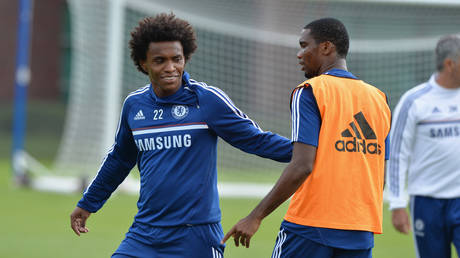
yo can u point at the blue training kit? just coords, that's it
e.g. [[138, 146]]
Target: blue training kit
[[173, 140], [436, 224], [292, 243], [196, 241]]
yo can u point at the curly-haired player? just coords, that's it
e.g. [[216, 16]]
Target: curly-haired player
[[170, 129]]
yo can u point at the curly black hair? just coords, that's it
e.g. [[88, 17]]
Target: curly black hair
[[163, 27], [332, 30]]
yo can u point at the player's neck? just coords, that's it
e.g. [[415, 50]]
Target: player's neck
[[336, 64], [446, 80]]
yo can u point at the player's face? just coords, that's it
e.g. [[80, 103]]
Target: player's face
[[165, 64], [308, 54]]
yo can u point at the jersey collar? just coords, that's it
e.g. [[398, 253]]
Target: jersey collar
[[341, 73]]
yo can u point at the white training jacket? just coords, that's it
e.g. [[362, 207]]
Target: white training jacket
[[425, 144]]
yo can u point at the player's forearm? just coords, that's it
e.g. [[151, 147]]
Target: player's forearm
[[270, 145], [291, 179], [243, 133], [109, 177], [245, 136]]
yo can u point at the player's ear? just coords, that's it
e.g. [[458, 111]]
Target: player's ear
[[143, 64], [448, 64], [327, 48]]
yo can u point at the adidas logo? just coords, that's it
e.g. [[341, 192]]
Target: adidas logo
[[364, 141], [139, 115]]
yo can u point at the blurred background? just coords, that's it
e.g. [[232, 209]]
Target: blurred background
[[80, 72]]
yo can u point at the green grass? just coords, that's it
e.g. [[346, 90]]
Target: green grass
[[36, 224], [253, 176]]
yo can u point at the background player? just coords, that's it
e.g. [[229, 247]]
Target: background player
[[424, 143], [339, 130], [170, 129]]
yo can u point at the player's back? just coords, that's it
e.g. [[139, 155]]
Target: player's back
[[345, 189]]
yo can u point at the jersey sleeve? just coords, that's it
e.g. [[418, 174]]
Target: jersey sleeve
[[401, 142], [387, 139], [115, 167], [387, 147], [305, 117], [236, 128]]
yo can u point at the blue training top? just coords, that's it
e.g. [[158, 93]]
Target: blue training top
[[173, 140]]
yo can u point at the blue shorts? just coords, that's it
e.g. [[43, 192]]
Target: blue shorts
[[290, 245], [435, 225], [197, 241]]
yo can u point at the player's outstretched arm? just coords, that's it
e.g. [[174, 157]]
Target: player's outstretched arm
[[237, 129], [78, 220], [292, 178]]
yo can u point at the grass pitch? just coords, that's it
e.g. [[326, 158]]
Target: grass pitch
[[36, 224]]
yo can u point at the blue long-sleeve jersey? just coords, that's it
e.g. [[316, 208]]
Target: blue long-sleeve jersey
[[173, 140]]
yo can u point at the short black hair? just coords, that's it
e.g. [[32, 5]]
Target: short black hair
[[163, 27], [332, 30]]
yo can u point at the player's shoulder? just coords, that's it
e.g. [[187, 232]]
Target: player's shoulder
[[373, 89], [327, 82], [208, 93], [300, 88], [136, 95], [304, 84], [303, 89], [416, 93], [139, 93], [324, 81], [317, 84]]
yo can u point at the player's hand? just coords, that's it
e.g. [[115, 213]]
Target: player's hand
[[400, 220], [243, 231], [78, 220]]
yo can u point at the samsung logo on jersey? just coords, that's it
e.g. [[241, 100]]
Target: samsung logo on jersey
[[164, 142], [445, 132]]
